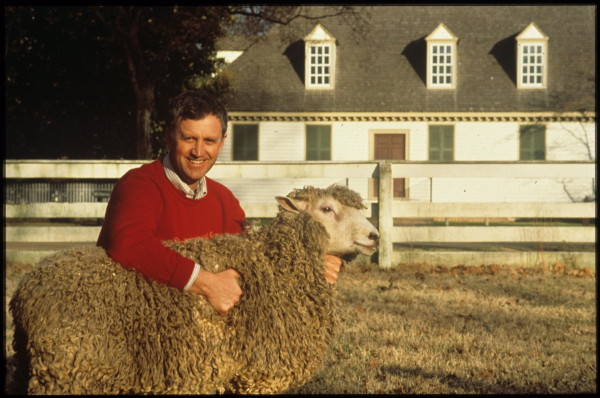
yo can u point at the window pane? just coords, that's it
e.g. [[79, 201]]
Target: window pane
[[320, 70], [245, 142], [441, 143], [318, 142], [533, 142]]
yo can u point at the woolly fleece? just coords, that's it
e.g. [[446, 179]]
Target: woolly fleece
[[86, 325]]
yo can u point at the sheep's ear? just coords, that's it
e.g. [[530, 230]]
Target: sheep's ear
[[289, 204]]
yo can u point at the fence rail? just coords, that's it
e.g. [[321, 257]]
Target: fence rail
[[383, 210]]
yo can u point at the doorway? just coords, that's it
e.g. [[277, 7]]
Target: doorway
[[390, 146]]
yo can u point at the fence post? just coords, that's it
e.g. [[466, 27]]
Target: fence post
[[386, 222]]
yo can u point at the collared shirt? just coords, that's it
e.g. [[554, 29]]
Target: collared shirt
[[172, 176], [196, 194]]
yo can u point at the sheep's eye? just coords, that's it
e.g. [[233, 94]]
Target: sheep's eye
[[326, 209]]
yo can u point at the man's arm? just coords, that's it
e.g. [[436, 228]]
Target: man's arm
[[223, 291], [129, 234]]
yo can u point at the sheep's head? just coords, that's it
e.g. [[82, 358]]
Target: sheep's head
[[337, 208]]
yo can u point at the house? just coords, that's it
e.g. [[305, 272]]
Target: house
[[422, 83]]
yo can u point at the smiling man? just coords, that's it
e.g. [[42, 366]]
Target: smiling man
[[171, 198]]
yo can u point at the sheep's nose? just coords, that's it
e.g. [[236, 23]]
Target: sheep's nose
[[374, 236]]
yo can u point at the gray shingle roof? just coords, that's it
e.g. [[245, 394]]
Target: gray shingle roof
[[384, 70]]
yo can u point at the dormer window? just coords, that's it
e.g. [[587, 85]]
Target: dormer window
[[441, 58], [532, 58], [320, 59]]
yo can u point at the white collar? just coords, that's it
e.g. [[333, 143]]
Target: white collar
[[174, 178]]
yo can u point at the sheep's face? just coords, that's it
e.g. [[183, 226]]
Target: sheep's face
[[349, 231]]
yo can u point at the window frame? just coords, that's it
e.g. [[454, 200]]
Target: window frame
[[314, 69], [441, 38], [530, 37], [234, 140], [439, 50], [319, 37]]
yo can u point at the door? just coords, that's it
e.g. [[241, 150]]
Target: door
[[391, 147]]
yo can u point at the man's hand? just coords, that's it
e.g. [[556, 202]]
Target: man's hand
[[333, 265], [222, 290]]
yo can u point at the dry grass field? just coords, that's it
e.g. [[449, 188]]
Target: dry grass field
[[462, 330]]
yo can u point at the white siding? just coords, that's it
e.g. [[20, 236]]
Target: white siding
[[474, 141], [570, 141], [226, 152], [278, 141], [350, 141], [486, 141]]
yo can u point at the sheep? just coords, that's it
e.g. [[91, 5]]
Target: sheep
[[86, 325]]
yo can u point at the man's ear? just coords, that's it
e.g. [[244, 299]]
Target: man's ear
[[289, 204]]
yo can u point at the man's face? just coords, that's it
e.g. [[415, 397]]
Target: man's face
[[194, 148]]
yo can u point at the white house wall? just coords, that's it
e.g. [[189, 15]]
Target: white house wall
[[570, 141], [486, 141], [281, 141], [474, 141]]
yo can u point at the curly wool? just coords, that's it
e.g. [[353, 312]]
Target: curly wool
[[96, 328], [340, 193]]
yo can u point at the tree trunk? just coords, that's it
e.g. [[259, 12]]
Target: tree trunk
[[142, 84], [143, 121]]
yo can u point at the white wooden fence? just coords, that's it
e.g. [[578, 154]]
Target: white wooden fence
[[383, 210]]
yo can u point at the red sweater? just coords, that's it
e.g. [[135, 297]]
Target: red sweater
[[145, 209]]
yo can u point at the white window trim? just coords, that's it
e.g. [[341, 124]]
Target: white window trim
[[532, 35], [319, 36], [442, 36]]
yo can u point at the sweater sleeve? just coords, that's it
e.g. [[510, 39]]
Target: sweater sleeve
[[129, 233]]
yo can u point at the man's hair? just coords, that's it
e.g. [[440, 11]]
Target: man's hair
[[195, 105]]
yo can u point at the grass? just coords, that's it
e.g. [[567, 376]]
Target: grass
[[435, 330], [421, 329]]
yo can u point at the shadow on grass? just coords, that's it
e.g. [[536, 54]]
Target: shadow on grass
[[457, 383]]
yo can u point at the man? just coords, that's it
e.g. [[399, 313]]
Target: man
[[173, 199]]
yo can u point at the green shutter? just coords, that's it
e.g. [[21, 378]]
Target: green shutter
[[532, 143], [318, 142], [245, 142], [441, 143]]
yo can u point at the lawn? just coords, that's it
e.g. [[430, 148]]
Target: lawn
[[435, 330], [423, 329]]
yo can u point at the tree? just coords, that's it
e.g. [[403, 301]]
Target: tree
[[74, 66]]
